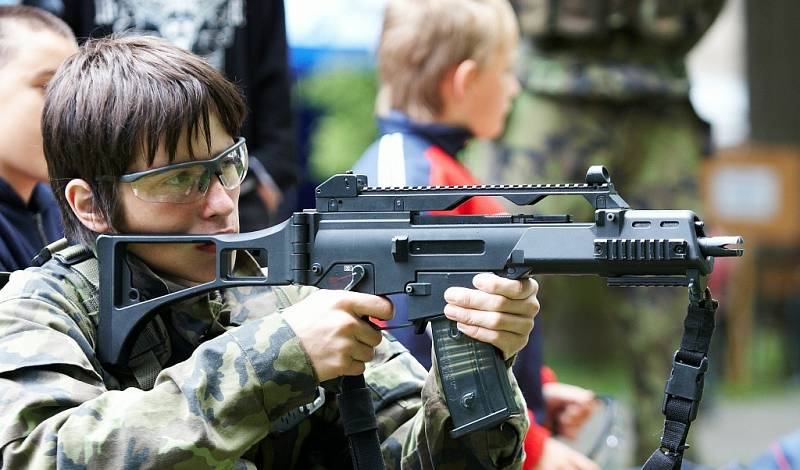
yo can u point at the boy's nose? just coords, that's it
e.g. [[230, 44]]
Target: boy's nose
[[218, 201]]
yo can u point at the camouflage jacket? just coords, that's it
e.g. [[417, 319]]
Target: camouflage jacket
[[610, 49], [245, 369]]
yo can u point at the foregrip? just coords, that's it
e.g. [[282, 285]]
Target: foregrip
[[474, 379]]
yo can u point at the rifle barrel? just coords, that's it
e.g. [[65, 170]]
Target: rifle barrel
[[721, 246]]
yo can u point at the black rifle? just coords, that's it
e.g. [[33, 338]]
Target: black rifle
[[384, 241]]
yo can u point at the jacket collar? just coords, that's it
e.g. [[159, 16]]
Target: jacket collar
[[452, 139], [202, 316], [41, 197], [155, 285]]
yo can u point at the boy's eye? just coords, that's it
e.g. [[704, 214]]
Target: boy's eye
[[179, 178]]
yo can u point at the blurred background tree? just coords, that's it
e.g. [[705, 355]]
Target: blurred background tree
[[343, 101]]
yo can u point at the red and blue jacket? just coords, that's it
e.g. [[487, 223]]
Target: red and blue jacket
[[413, 154], [408, 153]]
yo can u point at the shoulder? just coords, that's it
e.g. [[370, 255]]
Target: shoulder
[[47, 360], [52, 296], [447, 170], [367, 162], [7, 262], [52, 282], [11, 240], [396, 159]]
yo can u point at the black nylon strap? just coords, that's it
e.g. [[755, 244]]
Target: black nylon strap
[[360, 424], [698, 327], [684, 388], [660, 460], [357, 412]]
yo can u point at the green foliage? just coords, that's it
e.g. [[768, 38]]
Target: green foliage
[[345, 98], [604, 377], [767, 366]]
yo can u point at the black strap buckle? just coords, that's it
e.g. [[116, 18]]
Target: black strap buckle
[[294, 417], [686, 381], [678, 453]]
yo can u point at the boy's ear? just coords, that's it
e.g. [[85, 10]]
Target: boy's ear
[[463, 76], [80, 199]]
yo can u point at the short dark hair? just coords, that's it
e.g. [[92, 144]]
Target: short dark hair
[[115, 101], [32, 18]]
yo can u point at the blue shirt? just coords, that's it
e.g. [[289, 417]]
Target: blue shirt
[[26, 228]]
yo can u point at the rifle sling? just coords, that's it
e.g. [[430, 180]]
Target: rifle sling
[[360, 424], [684, 388]]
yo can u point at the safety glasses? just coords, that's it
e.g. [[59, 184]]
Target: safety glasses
[[189, 181]]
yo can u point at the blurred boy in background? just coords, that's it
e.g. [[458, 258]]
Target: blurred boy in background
[[446, 78], [33, 43]]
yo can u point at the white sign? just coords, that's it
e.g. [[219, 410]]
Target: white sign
[[334, 24], [750, 193]]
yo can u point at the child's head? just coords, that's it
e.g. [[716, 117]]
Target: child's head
[[123, 105], [33, 43], [449, 61]]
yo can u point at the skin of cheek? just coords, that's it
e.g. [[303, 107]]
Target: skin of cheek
[[215, 212], [22, 95], [191, 262]]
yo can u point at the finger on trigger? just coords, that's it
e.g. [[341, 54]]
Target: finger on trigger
[[363, 305]]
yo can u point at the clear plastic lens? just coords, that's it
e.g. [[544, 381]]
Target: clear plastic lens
[[190, 182], [170, 186], [233, 168]]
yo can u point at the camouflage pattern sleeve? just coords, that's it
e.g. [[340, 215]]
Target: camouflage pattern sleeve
[[56, 410], [415, 427]]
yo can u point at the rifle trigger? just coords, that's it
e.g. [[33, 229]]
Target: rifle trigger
[[356, 276]]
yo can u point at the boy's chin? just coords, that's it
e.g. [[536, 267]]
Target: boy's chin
[[200, 270], [193, 278], [487, 133]]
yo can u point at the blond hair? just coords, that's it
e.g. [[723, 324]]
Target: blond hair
[[34, 19], [423, 39]]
